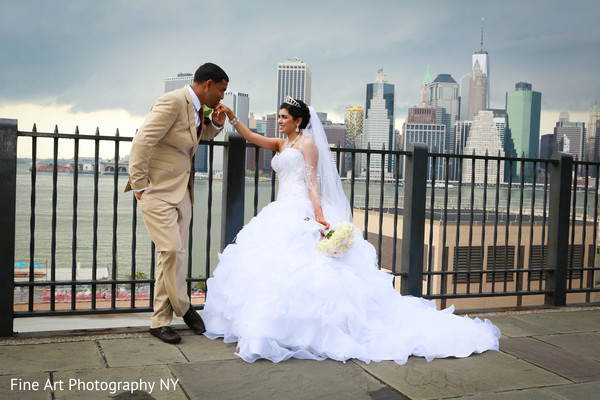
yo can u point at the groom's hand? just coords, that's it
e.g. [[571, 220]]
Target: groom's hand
[[218, 115]]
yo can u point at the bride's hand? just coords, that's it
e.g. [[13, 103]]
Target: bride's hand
[[325, 225], [226, 110]]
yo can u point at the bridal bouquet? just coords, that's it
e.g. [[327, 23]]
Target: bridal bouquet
[[337, 241]]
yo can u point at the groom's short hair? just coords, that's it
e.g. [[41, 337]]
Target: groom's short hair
[[210, 71]]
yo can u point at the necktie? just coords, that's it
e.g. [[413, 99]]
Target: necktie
[[199, 128]]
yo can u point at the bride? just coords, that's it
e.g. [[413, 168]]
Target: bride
[[278, 296]]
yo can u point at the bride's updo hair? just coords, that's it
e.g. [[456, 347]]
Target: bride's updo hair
[[298, 112]]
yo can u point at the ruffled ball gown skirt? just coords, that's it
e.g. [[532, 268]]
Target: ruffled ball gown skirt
[[278, 297]]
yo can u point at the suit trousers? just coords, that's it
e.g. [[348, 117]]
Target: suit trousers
[[168, 225]]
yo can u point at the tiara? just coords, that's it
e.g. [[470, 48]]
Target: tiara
[[292, 102]]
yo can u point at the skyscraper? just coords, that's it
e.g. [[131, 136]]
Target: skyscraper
[[477, 91], [433, 135], [444, 97], [500, 121], [379, 120], [293, 79], [483, 138], [421, 115], [522, 135], [461, 131], [354, 117], [475, 86], [425, 97], [575, 134], [239, 104], [547, 147], [178, 81], [270, 131], [482, 58], [593, 128]]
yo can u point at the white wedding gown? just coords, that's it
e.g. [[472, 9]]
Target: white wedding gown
[[278, 297]]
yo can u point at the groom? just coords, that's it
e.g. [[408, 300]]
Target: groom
[[161, 174]]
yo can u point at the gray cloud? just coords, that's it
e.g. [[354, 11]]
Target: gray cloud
[[114, 54]]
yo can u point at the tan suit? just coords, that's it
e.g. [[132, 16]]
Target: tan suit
[[161, 161]]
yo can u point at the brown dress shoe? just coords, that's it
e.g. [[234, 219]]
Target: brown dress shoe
[[194, 321], [166, 334]]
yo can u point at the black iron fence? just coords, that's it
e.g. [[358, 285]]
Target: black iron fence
[[482, 231]]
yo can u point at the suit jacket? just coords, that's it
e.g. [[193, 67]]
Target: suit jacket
[[163, 148]]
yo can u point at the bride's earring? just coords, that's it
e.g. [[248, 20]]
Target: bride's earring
[[297, 128]]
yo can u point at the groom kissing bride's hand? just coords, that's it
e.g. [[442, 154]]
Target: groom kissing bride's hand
[[161, 174]]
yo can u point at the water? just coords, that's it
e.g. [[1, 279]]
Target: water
[[64, 259]]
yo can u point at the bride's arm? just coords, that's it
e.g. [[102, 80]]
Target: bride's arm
[[311, 160], [259, 140]]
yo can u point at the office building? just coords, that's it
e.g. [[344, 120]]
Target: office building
[[270, 131], [354, 117], [336, 137], [425, 96], [547, 147], [293, 79], [589, 154], [593, 127], [421, 115], [570, 136], [178, 81], [432, 135], [483, 139], [378, 129], [239, 103], [500, 121], [522, 134], [475, 86], [443, 96], [477, 91], [461, 132]]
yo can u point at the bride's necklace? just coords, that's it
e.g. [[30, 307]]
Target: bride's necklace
[[288, 144]]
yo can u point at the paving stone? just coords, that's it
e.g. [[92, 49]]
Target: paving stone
[[545, 355], [201, 348], [153, 382], [581, 391], [24, 386], [587, 344], [445, 378], [49, 357], [290, 379], [525, 394], [563, 362], [511, 326], [564, 322], [141, 351]]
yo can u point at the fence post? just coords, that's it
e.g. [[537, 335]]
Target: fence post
[[8, 183], [413, 225], [234, 178], [558, 228]]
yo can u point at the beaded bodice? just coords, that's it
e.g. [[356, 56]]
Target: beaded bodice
[[289, 165]]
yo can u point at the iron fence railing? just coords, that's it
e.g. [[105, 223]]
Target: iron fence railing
[[482, 231]]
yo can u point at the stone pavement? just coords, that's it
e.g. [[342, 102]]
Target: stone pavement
[[549, 354]]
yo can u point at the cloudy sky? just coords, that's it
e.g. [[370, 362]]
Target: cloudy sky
[[102, 63]]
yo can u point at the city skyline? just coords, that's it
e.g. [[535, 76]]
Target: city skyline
[[103, 64]]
